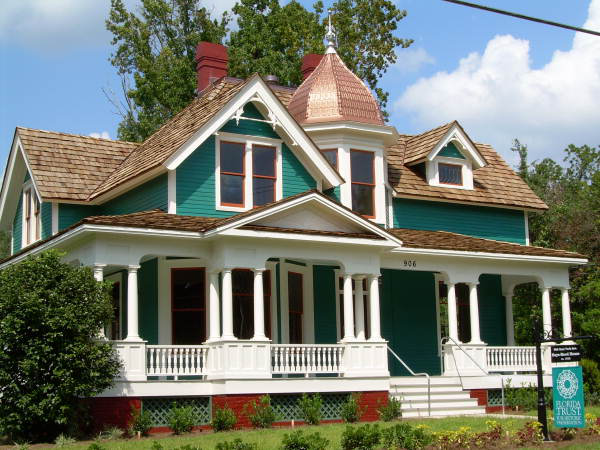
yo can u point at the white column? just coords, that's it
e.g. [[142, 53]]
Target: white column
[[375, 318], [227, 295], [99, 276], [566, 313], [348, 309], [452, 318], [259, 306], [546, 312], [359, 307], [474, 314], [510, 322], [132, 304], [215, 317]]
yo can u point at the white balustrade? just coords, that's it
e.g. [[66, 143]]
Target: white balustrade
[[306, 358], [176, 360], [510, 359]]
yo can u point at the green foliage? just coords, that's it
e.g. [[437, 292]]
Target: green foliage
[[261, 414], [181, 419], [141, 422], [154, 48], [591, 381], [223, 419], [310, 408], [111, 434], [63, 440], [403, 435], [531, 433], [236, 444], [5, 249], [524, 398], [300, 441], [366, 437], [391, 411], [351, 410], [95, 446], [50, 314]]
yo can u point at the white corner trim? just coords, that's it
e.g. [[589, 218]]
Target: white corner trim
[[54, 218], [172, 191], [526, 228], [464, 145]]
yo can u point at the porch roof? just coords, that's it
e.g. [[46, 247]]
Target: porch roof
[[444, 240]]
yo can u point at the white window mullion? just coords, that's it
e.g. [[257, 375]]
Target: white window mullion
[[248, 194]]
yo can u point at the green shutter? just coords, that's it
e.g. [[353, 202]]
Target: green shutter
[[324, 287]]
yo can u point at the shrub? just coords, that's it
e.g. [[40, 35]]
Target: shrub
[[351, 410], [310, 408], [223, 419], [112, 434], [591, 377], [261, 414], [95, 446], [156, 446], [461, 438], [531, 433], [404, 436], [524, 398], [50, 315], [391, 411], [63, 440], [237, 444], [181, 419], [366, 437], [141, 422], [300, 441]]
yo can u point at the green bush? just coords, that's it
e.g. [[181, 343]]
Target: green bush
[[351, 410], [310, 408], [524, 398], [591, 376], [237, 444], [141, 422], [181, 419], [223, 419], [63, 440], [156, 446], [300, 441], [391, 411], [95, 446], [50, 315], [366, 437], [402, 435], [261, 414]]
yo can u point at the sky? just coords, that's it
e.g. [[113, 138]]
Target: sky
[[500, 77]]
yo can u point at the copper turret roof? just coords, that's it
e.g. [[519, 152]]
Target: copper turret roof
[[332, 93]]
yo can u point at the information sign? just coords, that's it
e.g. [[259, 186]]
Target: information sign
[[565, 353], [567, 385]]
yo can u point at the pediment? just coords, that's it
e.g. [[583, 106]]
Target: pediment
[[458, 142]]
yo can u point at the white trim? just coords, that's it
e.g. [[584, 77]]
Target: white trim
[[54, 218], [526, 228], [172, 191], [256, 90], [498, 256], [433, 172]]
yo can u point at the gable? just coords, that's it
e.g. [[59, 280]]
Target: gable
[[450, 151], [250, 127], [454, 141]]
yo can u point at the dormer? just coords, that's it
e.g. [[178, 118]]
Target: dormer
[[450, 162]]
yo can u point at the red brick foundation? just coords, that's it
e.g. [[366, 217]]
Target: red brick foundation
[[370, 402], [236, 403], [482, 400], [108, 412]]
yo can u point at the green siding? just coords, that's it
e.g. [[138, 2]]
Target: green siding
[[408, 320], [479, 221], [250, 127], [296, 178], [334, 193], [46, 220], [492, 315], [150, 195], [148, 300], [324, 304], [17, 228], [69, 214], [451, 151]]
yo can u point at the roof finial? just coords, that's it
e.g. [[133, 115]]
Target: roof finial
[[330, 36]]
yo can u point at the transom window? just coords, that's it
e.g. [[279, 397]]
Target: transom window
[[31, 216], [363, 182], [331, 155], [450, 174]]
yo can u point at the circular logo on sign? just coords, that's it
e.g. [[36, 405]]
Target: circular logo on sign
[[567, 384]]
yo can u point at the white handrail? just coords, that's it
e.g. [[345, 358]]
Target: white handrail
[[421, 374], [176, 360], [306, 358]]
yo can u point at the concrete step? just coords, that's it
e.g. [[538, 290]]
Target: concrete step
[[419, 389], [438, 396], [443, 412], [456, 404], [405, 381]]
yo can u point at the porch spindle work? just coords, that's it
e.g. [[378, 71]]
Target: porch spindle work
[[510, 324], [566, 313], [215, 319], [306, 359], [259, 307], [171, 360], [374, 314], [227, 295], [359, 307], [132, 304], [348, 309], [452, 318], [474, 314], [546, 311]]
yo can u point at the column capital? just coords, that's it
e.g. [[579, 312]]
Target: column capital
[[564, 289], [99, 266], [259, 270], [472, 283], [358, 276], [133, 268], [370, 276], [226, 270]]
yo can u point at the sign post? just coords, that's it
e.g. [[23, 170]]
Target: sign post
[[567, 385]]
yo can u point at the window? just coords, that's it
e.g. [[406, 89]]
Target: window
[[331, 155], [36, 216], [450, 174], [296, 306], [31, 216], [188, 306], [243, 303], [363, 182], [365, 305], [264, 174], [232, 173]]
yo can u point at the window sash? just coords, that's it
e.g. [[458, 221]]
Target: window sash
[[222, 156], [452, 174], [332, 159], [366, 184]]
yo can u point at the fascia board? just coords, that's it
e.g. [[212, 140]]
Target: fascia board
[[256, 86], [464, 140]]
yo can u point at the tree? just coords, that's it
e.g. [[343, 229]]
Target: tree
[[50, 358], [155, 48]]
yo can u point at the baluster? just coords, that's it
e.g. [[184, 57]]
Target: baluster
[[329, 356], [285, 359], [313, 359], [149, 364]]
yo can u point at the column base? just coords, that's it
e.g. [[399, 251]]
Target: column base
[[133, 339]]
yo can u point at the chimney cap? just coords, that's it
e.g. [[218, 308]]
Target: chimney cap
[[271, 79]]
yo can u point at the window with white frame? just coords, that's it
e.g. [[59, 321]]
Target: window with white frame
[[31, 216], [249, 172]]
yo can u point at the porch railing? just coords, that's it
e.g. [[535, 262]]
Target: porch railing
[[510, 359], [176, 360], [306, 358]]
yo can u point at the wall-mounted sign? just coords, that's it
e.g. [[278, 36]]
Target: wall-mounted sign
[[567, 385], [565, 353]]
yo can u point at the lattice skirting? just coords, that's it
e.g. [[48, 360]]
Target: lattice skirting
[[287, 409], [160, 409], [495, 397]]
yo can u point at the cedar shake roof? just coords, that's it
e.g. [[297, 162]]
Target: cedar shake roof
[[332, 93], [444, 240], [69, 166], [419, 146]]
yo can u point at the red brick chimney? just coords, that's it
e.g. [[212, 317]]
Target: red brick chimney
[[309, 64], [211, 63]]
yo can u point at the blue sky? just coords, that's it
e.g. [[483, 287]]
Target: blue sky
[[500, 77]]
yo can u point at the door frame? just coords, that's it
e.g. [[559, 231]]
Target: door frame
[[308, 320]]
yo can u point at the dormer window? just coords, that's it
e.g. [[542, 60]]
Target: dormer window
[[450, 174], [363, 182]]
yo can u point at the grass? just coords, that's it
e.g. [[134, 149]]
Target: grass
[[595, 410]]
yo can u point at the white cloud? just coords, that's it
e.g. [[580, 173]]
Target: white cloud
[[103, 135], [498, 96], [411, 60]]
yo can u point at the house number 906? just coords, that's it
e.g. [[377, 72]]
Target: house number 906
[[409, 263]]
